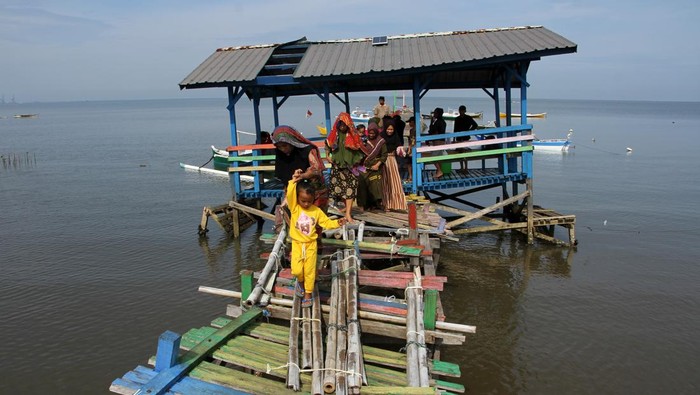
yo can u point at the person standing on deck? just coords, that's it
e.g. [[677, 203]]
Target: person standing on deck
[[369, 190], [381, 110], [438, 126], [394, 197], [294, 151], [344, 147], [464, 123]]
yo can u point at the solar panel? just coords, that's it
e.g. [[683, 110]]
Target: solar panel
[[380, 40]]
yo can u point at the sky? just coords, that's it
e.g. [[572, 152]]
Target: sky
[[75, 50]]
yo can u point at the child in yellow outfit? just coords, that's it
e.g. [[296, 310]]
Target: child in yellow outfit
[[305, 216]]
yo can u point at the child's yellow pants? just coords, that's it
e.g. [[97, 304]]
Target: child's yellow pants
[[304, 263]]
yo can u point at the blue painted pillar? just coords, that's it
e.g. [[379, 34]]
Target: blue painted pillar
[[275, 111], [168, 347], [232, 99], [327, 108], [417, 168], [256, 113]]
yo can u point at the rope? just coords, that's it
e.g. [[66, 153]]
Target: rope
[[342, 328], [305, 319], [207, 162], [337, 371], [403, 349]]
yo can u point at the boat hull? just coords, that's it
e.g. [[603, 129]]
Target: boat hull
[[553, 145]]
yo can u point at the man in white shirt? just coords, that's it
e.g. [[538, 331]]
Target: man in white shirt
[[381, 110]]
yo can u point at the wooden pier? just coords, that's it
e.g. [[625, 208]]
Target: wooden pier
[[376, 326]]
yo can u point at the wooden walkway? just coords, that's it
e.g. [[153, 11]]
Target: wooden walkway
[[268, 344]]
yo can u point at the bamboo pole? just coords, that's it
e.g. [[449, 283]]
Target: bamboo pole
[[412, 378], [332, 328], [271, 264], [307, 354], [317, 339], [354, 348], [293, 379], [420, 336], [390, 319], [341, 352]]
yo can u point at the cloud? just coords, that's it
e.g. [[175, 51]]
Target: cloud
[[24, 25]]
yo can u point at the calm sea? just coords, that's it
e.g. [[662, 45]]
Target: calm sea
[[99, 252]]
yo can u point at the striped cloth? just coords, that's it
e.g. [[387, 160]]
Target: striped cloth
[[392, 187]]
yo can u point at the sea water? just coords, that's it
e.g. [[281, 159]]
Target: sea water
[[99, 249]]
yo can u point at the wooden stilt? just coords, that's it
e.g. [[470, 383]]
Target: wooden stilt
[[530, 213]]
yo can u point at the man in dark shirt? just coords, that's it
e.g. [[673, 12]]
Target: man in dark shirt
[[463, 123]]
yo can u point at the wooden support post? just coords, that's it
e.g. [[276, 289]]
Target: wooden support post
[[203, 222], [530, 213], [412, 220], [430, 309], [246, 283], [168, 347], [235, 223]]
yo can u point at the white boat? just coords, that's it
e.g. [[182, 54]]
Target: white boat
[[529, 115], [361, 116], [554, 145], [451, 114]]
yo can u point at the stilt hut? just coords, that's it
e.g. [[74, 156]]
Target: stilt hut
[[495, 61]]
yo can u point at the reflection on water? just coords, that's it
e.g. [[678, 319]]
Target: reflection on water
[[488, 276]]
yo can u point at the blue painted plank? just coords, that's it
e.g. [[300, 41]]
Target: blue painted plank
[[189, 385], [166, 378]]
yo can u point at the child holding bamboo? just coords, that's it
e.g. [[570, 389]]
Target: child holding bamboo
[[305, 217]]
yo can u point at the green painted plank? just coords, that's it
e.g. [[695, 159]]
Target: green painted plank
[[398, 390], [250, 158], [474, 154], [446, 369], [375, 247], [449, 386], [239, 380]]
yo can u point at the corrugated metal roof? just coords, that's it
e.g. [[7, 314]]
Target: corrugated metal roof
[[455, 59]]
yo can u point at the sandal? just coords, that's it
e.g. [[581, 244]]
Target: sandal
[[299, 290], [307, 302]]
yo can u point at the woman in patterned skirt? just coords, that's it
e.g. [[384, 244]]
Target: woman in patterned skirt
[[344, 147], [394, 198]]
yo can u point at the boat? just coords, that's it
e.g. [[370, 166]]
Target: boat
[[26, 115], [359, 115], [529, 115], [221, 157], [450, 114], [554, 145]]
